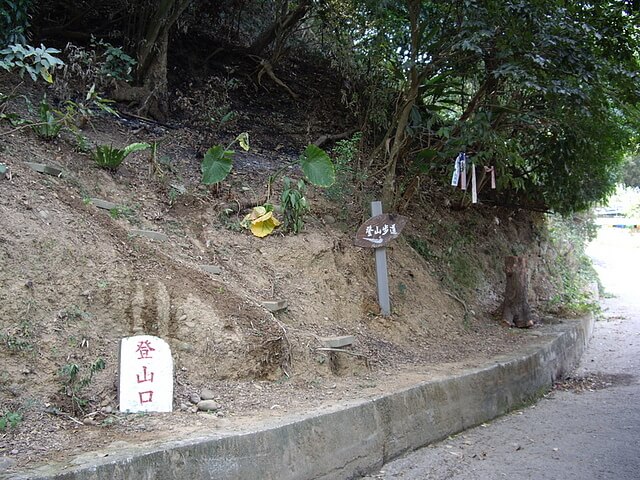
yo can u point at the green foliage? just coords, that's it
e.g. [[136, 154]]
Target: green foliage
[[571, 268], [216, 165], [48, 124], [14, 21], [317, 167], [10, 419], [15, 343], [79, 113], [110, 157], [12, 117], [294, 205], [76, 379], [218, 161], [543, 90], [116, 63], [37, 62], [348, 176], [422, 247], [631, 171]]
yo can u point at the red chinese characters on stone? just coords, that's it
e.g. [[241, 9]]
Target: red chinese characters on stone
[[146, 397], [145, 377], [144, 351]]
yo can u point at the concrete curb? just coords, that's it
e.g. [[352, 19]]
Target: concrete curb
[[352, 439]]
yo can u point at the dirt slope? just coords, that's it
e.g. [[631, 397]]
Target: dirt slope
[[74, 280]]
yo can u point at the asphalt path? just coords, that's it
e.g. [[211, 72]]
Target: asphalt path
[[589, 428]]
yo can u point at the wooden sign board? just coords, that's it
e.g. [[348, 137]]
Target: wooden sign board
[[378, 231]]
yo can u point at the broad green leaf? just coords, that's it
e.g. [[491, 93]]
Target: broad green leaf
[[135, 147], [46, 75], [318, 167], [216, 165]]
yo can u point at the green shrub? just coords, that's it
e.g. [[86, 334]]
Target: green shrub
[[110, 158], [37, 62], [294, 205], [76, 379], [14, 21], [48, 124], [10, 419]]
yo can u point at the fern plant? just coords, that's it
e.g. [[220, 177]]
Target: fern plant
[[110, 157]]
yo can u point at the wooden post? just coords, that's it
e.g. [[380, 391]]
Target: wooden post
[[515, 308], [382, 279]]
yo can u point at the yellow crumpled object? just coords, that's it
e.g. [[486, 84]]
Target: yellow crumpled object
[[260, 222]]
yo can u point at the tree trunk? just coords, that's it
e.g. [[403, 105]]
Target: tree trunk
[[156, 20], [396, 146], [515, 309], [285, 22]]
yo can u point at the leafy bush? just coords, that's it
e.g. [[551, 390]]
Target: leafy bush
[[37, 62], [116, 63], [571, 269], [74, 382], [48, 124], [14, 21], [10, 420], [294, 205], [110, 158]]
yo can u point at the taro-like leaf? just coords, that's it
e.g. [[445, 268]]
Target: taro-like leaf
[[262, 229], [216, 165], [318, 167]]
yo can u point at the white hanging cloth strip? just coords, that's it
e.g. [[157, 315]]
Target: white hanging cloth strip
[[456, 171], [463, 171], [492, 171], [474, 185]]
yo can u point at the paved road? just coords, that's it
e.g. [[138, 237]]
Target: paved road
[[590, 429]]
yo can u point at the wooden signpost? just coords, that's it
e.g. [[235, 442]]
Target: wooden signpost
[[376, 233]]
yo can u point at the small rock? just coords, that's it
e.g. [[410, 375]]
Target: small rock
[[7, 463], [182, 346], [208, 406], [89, 421], [195, 398], [106, 410], [329, 219], [207, 394], [184, 407], [15, 451]]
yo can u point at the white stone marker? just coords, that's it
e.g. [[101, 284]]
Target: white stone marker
[[146, 375]]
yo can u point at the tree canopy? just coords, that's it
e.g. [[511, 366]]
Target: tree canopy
[[545, 91]]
